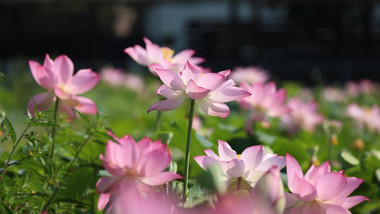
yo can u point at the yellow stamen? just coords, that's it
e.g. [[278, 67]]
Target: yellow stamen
[[315, 161], [367, 110], [168, 53], [334, 140], [238, 156], [358, 144]]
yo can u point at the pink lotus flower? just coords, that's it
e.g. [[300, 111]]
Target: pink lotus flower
[[364, 86], [143, 162], [118, 77], [113, 76], [268, 195], [162, 55], [333, 94], [365, 116], [319, 191], [57, 77], [251, 165], [368, 86], [132, 201], [210, 90], [264, 101], [302, 115], [249, 75], [352, 88], [229, 204]]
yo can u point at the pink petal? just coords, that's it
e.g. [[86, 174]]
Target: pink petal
[[312, 208], [196, 60], [211, 153], [169, 78], [161, 178], [315, 172], [226, 153], [352, 184], [153, 163], [353, 201], [253, 176], [86, 105], [154, 51], [48, 63], [63, 95], [272, 161], [42, 102], [329, 186], [63, 68], [195, 92], [229, 93], [169, 93], [110, 166], [111, 147], [290, 199], [233, 168], [210, 80], [252, 157], [303, 189], [103, 200], [43, 76], [334, 209], [167, 105], [82, 81], [107, 184], [190, 72], [214, 108], [67, 109], [225, 73], [206, 161], [125, 154], [145, 145], [138, 54], [292, 169], [183, 56]]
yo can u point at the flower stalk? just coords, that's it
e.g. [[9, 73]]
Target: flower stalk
[[13, 150], [187, 157], [68, 170], [53, 129]]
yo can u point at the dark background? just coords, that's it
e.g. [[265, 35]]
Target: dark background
[[304, 40]]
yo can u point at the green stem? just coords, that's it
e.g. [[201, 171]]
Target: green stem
[[67, 171], [187, 158], [53, 131], [14, 149], [158, 120], [159, 116], [330, 150]]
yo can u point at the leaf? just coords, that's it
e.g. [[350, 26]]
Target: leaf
[[165, 137], [172, 167], [195, 196], [79, 182], [377, 173], [265, 138], [211, 179], [203, 140], [349, 158], [44, 123], [9, 128]]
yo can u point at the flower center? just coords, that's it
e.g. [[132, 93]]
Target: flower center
[[168, 54], [367, 110]]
